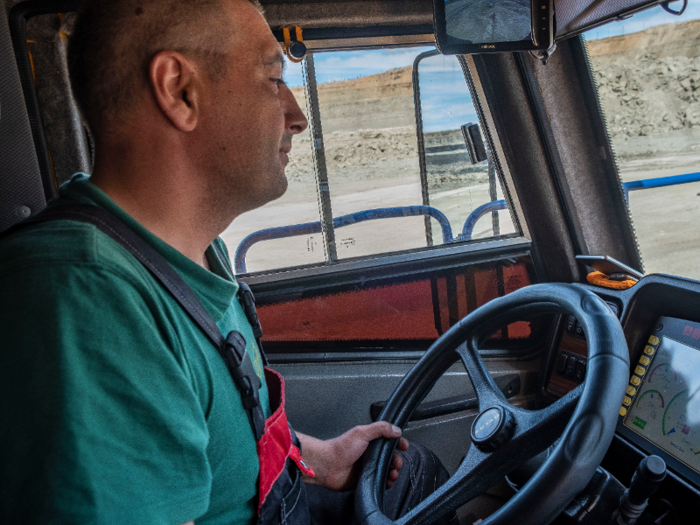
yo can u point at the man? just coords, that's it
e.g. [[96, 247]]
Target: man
[[116, 408]]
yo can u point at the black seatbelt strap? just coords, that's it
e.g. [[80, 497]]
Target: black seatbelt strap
[[232, 348], [247, 300]]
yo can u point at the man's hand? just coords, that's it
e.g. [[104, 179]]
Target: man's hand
[[335, 461]]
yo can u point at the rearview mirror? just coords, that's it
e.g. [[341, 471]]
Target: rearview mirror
[[492, 26]]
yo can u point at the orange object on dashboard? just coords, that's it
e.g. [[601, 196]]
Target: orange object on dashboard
[[600, 279]]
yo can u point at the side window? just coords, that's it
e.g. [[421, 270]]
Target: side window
[[647, 69], [457, 184], [375, 172]]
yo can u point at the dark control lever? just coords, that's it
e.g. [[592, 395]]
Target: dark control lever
[[646, 479]]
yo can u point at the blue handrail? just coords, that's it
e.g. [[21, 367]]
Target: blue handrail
[[634, 185], [344, 220], [479, 212], [659, 182], [409, 211]]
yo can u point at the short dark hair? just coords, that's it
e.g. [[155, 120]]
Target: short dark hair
[[113, 42]]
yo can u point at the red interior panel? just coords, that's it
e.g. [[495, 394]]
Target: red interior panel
[[400, 311]]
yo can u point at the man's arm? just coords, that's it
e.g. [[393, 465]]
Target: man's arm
[[335, 461]]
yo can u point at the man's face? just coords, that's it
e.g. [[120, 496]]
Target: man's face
[[250, 116]]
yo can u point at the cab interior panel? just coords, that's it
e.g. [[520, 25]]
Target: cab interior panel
[[351, 302]]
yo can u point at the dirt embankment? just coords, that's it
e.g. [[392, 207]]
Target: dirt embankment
[[369, 132], [377, 101], [649, 96], [648, 82], [668, 40], [649, 86]]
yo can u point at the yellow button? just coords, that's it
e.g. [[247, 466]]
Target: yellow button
[[640, 371], [627, 401], [644, 360], [653, 340], [623, 411], [635, 381], [649, 350], [631, 390]]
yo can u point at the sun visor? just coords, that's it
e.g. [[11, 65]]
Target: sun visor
[[576, 16]]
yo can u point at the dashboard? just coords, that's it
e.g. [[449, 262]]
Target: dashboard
[[660, 412]]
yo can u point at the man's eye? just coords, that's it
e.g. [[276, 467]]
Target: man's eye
[[278, 81]]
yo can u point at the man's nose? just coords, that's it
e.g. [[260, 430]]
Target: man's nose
[[294, 116]]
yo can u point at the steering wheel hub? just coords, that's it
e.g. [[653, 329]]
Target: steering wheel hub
[[492, 428]]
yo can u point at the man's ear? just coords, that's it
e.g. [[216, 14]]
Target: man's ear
[[176, 87]]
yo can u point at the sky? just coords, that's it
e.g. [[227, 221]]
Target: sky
[[448, 107]]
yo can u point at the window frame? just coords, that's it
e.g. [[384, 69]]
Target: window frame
[[340, 267]]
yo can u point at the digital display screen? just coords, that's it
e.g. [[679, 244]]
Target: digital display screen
[[488, 21], [666, 407]]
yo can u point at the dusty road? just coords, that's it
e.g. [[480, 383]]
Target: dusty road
[[666, 219]]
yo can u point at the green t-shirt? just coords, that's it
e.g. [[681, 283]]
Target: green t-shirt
[[114, 406]]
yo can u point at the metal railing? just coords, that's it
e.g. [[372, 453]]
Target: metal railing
[[410, 211], [307, 228], [634, 185], [659, 182], [477, 214]]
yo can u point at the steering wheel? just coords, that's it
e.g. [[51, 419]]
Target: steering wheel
[[504, 436]]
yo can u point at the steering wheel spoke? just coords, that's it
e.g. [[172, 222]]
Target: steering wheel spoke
[[546, 424], [486, 390], [477, 473], [535, 431]]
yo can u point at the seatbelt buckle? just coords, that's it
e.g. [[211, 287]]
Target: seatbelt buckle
[[241, 369], [248, 300]]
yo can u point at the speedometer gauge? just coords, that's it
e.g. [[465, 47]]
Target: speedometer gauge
[[652, 403]]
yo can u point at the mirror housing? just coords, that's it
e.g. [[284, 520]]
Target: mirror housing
[[483, 26]]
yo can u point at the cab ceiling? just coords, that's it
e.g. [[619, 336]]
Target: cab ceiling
[[342, 13]]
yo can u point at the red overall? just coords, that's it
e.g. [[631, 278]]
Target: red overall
[[282, 498]]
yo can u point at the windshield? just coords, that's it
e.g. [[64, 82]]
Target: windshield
[[382, 168]]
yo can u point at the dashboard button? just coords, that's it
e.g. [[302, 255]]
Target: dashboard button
[[623, 411], [635, 381], [649, 350], [570, 366], [653, 340], [561, 364], [640, 370], [580, 371], [631, 391], [644, 360], [627, 401]]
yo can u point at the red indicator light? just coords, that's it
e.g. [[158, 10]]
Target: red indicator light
[[696, 334], [688, 330]]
